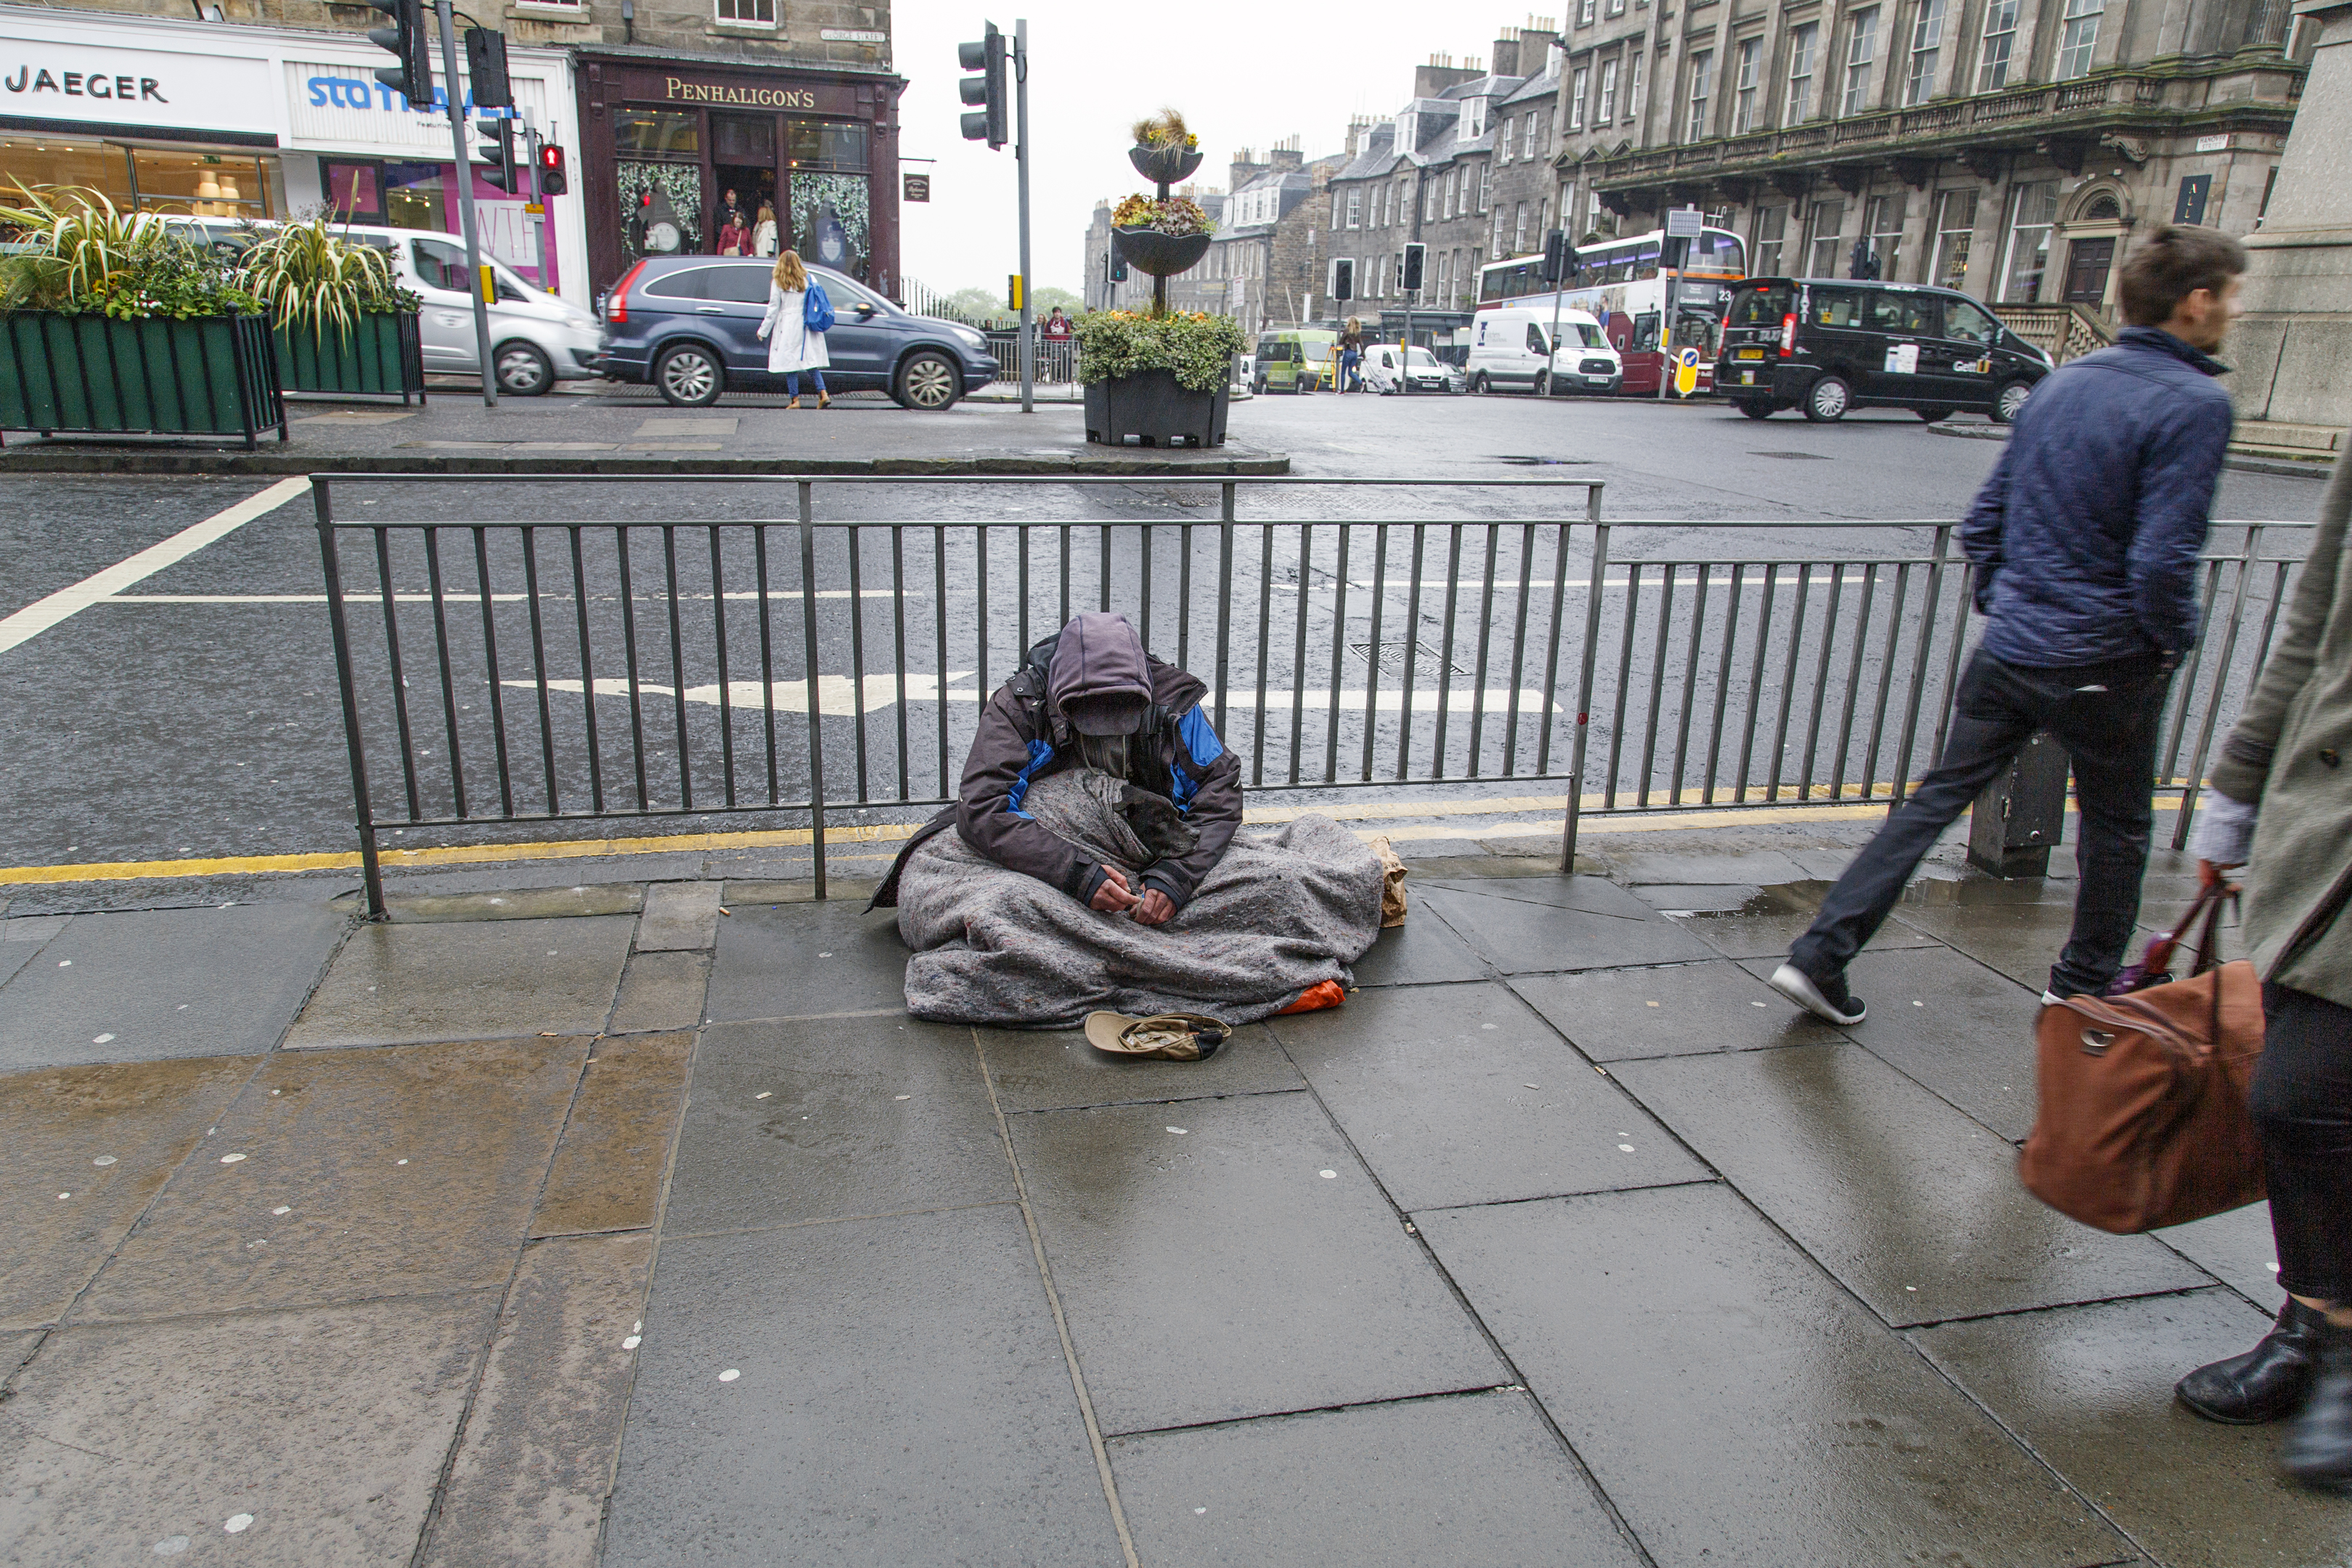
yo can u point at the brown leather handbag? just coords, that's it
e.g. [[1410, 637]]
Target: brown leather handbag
[[2143, 1119]]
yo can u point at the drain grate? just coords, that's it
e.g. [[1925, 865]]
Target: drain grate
[[1425, 659], [1795, 456]]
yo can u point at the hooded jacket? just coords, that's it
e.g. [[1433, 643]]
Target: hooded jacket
[[2086, 536], [1025, 734]]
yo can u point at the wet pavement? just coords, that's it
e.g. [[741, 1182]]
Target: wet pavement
[[630, 1220]]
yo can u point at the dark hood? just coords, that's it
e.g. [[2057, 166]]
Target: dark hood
[[1100, 666]]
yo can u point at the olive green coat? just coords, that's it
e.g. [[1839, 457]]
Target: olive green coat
[[2291, 754]]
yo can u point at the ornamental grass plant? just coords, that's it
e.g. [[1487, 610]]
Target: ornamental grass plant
[[74, 252], [306, 275], [1197, 349]]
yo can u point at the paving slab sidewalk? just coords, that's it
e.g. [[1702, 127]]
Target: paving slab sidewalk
[[632, 1221]]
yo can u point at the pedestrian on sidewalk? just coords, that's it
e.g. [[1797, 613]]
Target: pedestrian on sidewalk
[[795, 342], [1352, 354], [2084, 542], [763, 233], [2281, 800]]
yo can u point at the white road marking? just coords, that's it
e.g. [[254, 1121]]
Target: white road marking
[[39, 617]]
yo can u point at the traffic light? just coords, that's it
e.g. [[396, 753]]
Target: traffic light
[[497, 151], [410, 45], [1343, 277], [987, 89], [553, 182], [1117, 264], [1558, 256], [1012, 290], [486, 69], [1408, 275]]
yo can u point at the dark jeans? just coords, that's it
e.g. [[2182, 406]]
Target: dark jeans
[[2106, 715], [2303, 1106], [792, 381]]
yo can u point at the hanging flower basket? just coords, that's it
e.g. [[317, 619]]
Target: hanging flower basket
[[1166, 165], [1162, 255]]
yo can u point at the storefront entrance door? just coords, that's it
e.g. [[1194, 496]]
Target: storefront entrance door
[[743, 167], [2088, 262]]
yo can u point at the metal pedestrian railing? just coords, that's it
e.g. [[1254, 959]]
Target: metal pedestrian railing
[[571, 672]]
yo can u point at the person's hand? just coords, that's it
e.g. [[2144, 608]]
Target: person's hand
[[1157, 909], [2209, 876], [1114, 896]]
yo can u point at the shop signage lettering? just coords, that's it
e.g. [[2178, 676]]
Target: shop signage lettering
[[679, 91], [350, 92], [86, 84]]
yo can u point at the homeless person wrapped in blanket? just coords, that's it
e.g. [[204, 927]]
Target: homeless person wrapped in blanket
[[1098, 859]]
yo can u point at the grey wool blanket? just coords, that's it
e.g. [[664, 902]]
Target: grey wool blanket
[[1287, 908]]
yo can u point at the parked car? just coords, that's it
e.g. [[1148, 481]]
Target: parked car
[[1827, 346], [537, 338], [1293, 361], [1427, 374], [1513, 347], [690, 325]]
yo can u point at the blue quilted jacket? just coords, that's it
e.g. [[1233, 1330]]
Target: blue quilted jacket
[[2085, 537]]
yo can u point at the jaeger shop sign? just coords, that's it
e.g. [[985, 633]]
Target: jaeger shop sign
[[683, 89], [142, 87]]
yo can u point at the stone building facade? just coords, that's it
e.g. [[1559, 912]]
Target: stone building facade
[[2007, 148], [1264, 266], [1194, 290]]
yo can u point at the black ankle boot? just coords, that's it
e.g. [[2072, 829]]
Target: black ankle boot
[[2265, 1384], [2318, 1449]]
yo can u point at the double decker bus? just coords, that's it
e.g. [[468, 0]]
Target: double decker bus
[[1620, 284]]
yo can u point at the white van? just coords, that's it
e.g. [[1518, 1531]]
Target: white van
[[1512, 348], [537, 338], [1428, 374]]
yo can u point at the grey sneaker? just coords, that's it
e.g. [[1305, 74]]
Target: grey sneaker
[[1827, 999]]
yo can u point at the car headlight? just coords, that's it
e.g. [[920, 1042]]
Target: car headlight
[[975, 338]]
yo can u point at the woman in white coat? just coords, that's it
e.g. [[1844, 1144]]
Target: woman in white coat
[[791, 347]]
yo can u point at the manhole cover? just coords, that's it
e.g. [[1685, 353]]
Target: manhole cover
[[1545, 462], [1795, 456], [1426, 658]]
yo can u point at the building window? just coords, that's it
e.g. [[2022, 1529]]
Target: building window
[[1860, 49], [1577, 84], [1520, 232], [1486, 187], [1503, 143], [2033, 208], [1355, 208], [1702, 70], [755, 12], [1402, 205], [1634, 83], [1927, 46], [1527, 141], [1605, 109], [1613, 8], [1956, 226], [1771, 231], [1882, 225], [1801, 43], [1822, 238], [1454, 194], [1743, 107], [2080, 37], [1584, 13], [2000, 39]]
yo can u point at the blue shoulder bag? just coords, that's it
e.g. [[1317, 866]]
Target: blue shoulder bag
[[816, 311]]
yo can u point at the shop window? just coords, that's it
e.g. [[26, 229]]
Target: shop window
[[209, 184], [657, 132], [661, 208], [413, 197], [37, 161], [831, 223], [354, 191], [824, 144]]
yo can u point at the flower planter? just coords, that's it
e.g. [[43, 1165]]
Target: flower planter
[[1153, 409], [1165, 164], [90, 375], [380, 355], [1160, 255]]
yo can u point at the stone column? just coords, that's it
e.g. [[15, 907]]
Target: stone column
[[2293, 348]]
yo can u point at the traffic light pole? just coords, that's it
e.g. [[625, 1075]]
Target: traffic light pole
[[1021, 163], [465, 177]]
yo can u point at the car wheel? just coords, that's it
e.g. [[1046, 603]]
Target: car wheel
[[1755, 408], [690, 376], [1932, 415], [1541, 386], [1480, 385], [1258, 386], [1828, 400], [523, 370], [928, 382], [2008, 400]]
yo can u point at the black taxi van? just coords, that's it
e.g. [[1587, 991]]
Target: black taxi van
[[1826, 345]]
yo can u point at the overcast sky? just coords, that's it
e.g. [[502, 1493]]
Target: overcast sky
[[1246, 73]]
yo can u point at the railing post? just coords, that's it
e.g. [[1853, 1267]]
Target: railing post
[[371, 871], [1901, 791], [1225, 595], [815, 709], [1584, 693], [2193, 783]]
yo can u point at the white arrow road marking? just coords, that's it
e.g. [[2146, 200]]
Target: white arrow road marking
[[837, 696], [41, 614]]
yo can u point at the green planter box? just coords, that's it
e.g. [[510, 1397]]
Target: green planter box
[[380, 355], [89, 374]]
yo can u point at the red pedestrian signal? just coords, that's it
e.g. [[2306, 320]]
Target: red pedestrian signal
[[552, 179]]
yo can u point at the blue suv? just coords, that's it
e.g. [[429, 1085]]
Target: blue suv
[[690, 325]]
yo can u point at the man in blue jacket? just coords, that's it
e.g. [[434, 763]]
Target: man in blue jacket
[[2085, 542]]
